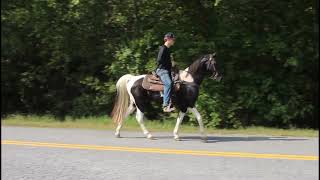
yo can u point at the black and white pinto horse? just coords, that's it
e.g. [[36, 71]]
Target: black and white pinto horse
[[131, 95]]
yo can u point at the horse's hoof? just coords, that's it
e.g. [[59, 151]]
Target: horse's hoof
[[204, 139], [149, 136], [117, 135], [177, 138]]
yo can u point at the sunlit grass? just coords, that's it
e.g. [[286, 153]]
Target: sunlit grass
[[105, 123]]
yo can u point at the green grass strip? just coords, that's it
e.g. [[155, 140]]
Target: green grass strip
[[105, 123]]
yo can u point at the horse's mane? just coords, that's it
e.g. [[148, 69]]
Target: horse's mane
[[194, 66]]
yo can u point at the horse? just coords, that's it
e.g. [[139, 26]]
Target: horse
[[131, 95]]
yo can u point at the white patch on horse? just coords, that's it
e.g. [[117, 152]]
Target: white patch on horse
[[184, 75], [130, 84]]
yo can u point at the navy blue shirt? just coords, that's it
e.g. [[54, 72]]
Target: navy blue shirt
[[164, 61]]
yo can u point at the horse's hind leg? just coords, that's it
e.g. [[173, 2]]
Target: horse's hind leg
[[139, 117], [130, 110], [199, 119]]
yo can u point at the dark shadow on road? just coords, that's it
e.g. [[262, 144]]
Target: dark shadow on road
[[216, 139], [143, 137]]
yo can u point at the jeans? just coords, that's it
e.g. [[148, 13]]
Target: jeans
[[167, 82]]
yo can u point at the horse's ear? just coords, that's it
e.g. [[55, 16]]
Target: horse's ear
[[214, 54]]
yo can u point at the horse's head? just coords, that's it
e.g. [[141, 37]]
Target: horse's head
[[209, 64]]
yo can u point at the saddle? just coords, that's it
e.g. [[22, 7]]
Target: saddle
[[152, 82]]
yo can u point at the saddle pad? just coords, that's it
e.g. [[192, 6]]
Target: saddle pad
[[150, 84], [154, 78]]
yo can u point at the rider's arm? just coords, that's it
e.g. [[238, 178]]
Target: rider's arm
[[161, 55]]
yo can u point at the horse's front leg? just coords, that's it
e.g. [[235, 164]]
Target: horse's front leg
[[176, 129], [199, 119]]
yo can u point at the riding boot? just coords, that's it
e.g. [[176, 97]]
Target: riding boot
[[168, 109]]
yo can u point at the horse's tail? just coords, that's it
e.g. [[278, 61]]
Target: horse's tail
[[122, 99]]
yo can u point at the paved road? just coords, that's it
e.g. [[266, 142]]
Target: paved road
[[48, 153]]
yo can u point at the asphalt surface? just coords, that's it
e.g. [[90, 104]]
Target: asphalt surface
[[49, 153]]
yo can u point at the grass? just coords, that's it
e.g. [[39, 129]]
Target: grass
[[105, 123]]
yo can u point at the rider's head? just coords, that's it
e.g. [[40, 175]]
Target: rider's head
[[169, 39]]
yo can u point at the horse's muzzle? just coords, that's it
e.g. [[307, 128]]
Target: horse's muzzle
[[216, 77]]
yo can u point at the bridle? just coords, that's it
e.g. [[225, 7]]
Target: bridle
[[215, 74]]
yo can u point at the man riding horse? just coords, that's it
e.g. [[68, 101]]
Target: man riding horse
[[164, 70], [133, 94]]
